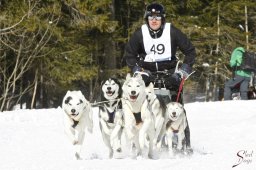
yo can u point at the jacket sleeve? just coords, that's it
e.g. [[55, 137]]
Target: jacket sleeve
[[134, 49], [236, 57], [184, 44]]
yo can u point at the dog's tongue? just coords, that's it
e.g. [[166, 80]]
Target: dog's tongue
[[109, 93], [133, 97]]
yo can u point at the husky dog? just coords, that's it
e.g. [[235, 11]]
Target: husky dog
[[158, 109], [175, 127], [77, 118], [138, 120], [110, 115]]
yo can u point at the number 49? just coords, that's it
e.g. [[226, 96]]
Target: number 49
[[159, 49]]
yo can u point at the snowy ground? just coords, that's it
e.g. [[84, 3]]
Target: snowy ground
[[222, 135]]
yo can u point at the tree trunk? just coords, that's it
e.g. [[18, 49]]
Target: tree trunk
[[246, 27], [35, 89], [110, 49]]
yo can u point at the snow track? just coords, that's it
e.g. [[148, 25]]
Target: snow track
[[35, 140]]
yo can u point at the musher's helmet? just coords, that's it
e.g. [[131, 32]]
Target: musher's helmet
[[155, 9]]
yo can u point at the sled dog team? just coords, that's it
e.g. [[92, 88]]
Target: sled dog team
[[130, 116]]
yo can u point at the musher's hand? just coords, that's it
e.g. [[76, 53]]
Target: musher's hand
[[141, 71], [185, 70], [176, 79], [145, 74]]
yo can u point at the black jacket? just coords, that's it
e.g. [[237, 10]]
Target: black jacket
[[135, 52]]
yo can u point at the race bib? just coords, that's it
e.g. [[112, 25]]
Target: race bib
[[158, 49]]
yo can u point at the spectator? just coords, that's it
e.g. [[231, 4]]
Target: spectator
[[241, 78]]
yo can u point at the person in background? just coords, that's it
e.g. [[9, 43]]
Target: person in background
[[241, 78], [153, 48]]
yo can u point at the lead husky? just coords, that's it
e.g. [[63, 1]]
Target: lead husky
[[175, 127], [77, 117], [158, 110], [110, 115], [138, 120]]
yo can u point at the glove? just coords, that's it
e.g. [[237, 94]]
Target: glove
[[145, 74], [175, 79], [137, 69], [185, 70]]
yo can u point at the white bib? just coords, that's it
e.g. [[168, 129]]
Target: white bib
[[158, 49]]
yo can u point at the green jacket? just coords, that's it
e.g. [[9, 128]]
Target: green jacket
[[236, 60]]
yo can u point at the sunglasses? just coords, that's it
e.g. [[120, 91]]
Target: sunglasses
[[158, 18]]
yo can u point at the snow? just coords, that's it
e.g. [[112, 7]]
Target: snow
[[222, 135]]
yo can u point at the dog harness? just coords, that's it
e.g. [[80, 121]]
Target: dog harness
[[75, 123], [137, 117], [111, 115], [169, 125]]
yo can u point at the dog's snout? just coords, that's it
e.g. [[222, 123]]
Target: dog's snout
[[174, 113], [73, 110], [108, 88], [133, 92]]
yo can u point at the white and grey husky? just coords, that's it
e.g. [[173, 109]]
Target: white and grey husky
[[175, 127], [111, 116], [77, 118], [138, 120], [158, 110]]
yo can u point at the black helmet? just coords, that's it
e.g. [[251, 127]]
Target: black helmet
[[154, 8]]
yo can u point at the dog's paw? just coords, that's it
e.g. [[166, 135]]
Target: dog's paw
[[78, 157], [188, 151], [179, 146], [171, 154], [75, 142], [118, 155], [118, 150], [153, 155]]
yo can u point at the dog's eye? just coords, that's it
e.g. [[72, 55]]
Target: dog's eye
[[138, 85], [80, 102], [113, 84], [129, 86]]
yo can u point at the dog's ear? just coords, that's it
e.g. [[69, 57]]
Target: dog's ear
[[128, 76], [81, 95], [180, 105], [151, 85], [68, 92], [138, 76], [169, 105], [79, 92], [102, 82]]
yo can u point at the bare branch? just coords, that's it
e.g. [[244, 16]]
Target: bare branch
[[13, 26]]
